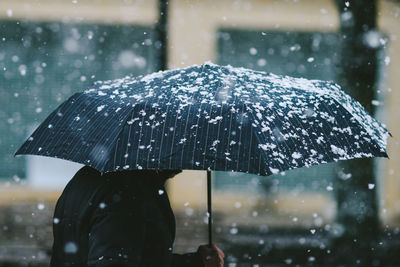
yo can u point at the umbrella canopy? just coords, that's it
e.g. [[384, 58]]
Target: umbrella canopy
[[209, 117]]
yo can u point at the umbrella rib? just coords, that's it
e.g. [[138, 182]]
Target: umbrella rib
[[229, 134], [184, 133], [110, 146], [240, 137], [251, 141], [325, 134], [115, 130], [195, 137], [151, 136], [208, 124], [330, 112], [140, 136], [172, 143], [348, 125], [220, 84], [259, 164], [187, 117], [115, 152], [338, 94], [251, 136], [162, 134], [277, 144], [219, 126], [206, 141], [119, 136], [354, 104], [128, 139], [311, 139], [284, 141], [326, 138]]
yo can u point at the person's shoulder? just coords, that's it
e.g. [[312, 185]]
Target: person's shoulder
[[85, 175], [87, 171]]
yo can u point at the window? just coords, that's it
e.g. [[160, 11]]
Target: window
[[42, 64]]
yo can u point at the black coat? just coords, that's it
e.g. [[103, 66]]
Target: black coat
[[116, 219]]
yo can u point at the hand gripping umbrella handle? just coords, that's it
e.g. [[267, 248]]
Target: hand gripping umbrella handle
[[209, 213]]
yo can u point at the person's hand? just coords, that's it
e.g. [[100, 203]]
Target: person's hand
[[211, 256]]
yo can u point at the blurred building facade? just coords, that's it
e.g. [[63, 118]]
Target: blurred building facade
[[50, 49]]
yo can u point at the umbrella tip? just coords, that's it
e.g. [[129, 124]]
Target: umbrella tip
[[17, 153], [209, 63]]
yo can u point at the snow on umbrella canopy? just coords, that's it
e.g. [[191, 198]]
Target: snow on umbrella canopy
[[209, 117]]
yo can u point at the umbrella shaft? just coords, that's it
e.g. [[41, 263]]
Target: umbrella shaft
[[209, 208]]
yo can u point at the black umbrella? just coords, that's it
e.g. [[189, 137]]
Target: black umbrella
[[209, 117]]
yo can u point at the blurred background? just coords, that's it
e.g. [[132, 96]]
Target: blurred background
[[329, 215]]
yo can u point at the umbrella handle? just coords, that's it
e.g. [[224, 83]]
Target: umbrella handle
[[209, 212]]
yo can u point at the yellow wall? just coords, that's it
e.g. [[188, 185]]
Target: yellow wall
[[84, 11], [389, 24], [194, 24]]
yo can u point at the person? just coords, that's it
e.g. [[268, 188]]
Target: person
[[120, 219]]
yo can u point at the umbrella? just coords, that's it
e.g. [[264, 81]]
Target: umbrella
[[209, 117]]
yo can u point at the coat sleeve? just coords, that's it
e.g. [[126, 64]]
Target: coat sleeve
[[116, 235], [185, 260]]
